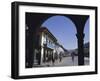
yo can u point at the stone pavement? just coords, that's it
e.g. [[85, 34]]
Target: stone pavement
[[67, 61]]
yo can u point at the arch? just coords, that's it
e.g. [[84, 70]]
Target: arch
[[61, 26], [64, 30]]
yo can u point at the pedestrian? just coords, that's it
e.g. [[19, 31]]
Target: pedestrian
[[60, 56], [72, 55], [53, 60]]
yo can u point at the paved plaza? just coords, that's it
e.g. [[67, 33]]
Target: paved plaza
[[67, 61]]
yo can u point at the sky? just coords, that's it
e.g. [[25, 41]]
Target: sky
[[64, 30]]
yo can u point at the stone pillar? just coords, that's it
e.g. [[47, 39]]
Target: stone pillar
[[80, 39]]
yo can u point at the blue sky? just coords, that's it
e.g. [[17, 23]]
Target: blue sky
[[64, 30]]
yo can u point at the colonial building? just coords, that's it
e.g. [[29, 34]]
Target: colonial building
[[47, 49], [48, 46]]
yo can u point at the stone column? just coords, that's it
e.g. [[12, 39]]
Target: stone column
[[80, 39]]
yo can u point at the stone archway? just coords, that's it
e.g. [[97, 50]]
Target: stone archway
[[78, 20], [64, 30]]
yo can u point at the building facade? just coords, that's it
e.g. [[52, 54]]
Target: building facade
[[47, 49]]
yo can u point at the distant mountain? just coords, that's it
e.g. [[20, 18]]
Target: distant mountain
[[86, 45], [86, 50]]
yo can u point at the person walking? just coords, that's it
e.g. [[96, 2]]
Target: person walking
[[72, 55], [53, 59], [60, 56]]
